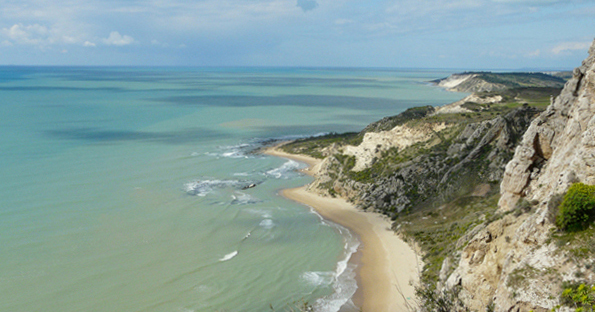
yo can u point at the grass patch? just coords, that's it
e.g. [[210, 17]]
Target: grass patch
[[437, 231], [520, 276], [578, 246], [313, 146]]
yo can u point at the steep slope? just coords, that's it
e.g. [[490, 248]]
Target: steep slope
[[438, 171], [517, 263]]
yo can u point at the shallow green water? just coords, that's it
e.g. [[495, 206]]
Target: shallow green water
[[121, 188]]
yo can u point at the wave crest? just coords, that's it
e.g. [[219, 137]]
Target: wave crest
[[229, 256]]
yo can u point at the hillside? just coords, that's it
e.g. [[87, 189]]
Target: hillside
[[438, 173], [487, 81]]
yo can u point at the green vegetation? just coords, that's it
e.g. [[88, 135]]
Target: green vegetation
[[573, 213], [534, 96], [581, 297], [576, 245], [448, 183], [520, 277], [437, 231], [441, 233], [313, 146], [577, 210], [518, 80], [444, 301], [388, 123]]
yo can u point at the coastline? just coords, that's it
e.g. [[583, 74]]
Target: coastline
[[387, 266]]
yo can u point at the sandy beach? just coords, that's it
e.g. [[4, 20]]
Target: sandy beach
[[388, 266]]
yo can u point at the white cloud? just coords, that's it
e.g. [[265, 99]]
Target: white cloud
[[89, 44], [570, 46], [118, 40], [31, 34], [535, 53], [39, 35]]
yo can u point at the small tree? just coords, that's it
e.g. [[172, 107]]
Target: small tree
[[577, 210]]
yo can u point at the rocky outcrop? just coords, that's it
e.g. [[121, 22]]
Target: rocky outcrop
[[476, 155], [448, 160], [559, 146], [512, 263], [446, 165], [400, 137], [458, 106]]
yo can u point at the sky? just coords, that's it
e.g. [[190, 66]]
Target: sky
[[462, 34]]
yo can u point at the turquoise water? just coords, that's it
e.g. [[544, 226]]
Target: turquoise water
[[121, 188]]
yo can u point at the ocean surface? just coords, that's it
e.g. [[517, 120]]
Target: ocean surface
[[121, 189]]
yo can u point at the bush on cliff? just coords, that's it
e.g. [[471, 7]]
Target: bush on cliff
[[577, 210]]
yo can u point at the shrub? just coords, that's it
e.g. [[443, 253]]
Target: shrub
[[581, 297], [577, 210]]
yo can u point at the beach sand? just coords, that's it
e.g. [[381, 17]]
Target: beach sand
[[388, 267]]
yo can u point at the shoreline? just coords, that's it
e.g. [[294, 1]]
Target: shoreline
[[387, 267]]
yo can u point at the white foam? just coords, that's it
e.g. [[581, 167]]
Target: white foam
[[267, 224], [204, 187], [240, 198], [343, 278], [344, 287], [236, 151], [229, 256], [285, 169], [266, 214]]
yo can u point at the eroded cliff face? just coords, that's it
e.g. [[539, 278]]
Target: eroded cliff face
[[432, 162], [469, 83], [512, 263], [400, 137]]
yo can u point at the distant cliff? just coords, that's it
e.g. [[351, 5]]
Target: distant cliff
[[486, 81]]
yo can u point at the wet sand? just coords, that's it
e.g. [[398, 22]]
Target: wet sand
[[387, 266]]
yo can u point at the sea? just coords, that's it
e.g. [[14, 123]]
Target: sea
[[124, 188]]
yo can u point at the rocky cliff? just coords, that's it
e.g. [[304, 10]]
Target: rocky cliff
[[426, 161], [519, 262], [439, 172]]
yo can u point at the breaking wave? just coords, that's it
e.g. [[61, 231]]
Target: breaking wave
[[244, 199], [285, 170], [229, 256], [204, 187]]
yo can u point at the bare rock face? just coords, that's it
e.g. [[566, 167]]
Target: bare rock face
[[471, 82], [457, 107], [510, 264], [402, 136], [559, 146]]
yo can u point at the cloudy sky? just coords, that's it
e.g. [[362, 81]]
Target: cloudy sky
[[467, 34]]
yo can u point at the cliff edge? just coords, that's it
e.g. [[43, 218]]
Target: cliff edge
[[519, 262], [476, 185]]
